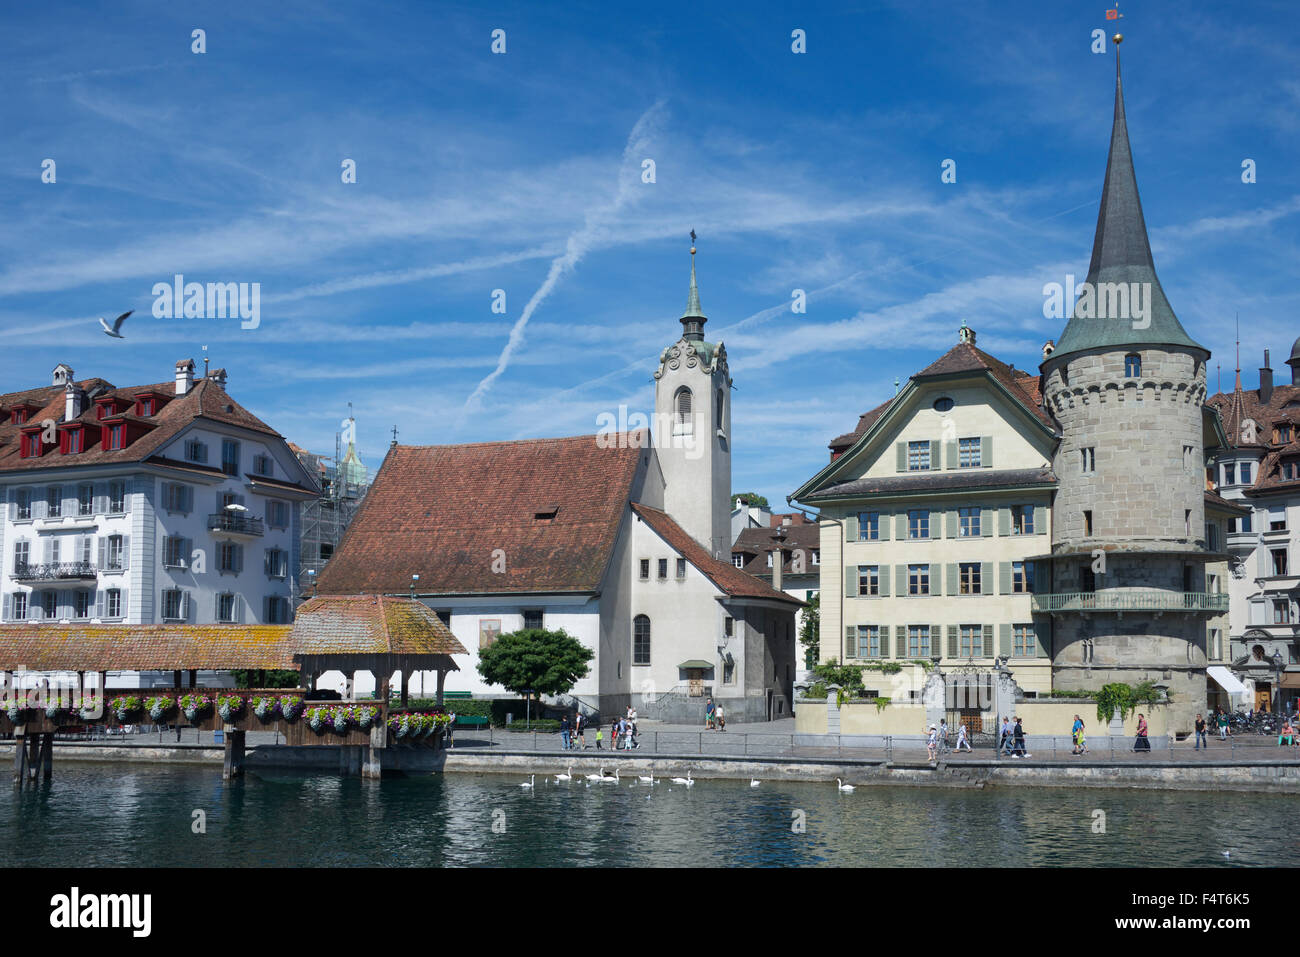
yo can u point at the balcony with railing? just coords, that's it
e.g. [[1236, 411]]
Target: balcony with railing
[[54, 573], [236, 525], [1122, 601]]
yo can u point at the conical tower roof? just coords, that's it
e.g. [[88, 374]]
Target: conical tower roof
[[1121, 253]]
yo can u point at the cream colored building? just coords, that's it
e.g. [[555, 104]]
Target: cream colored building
[[936, 516]]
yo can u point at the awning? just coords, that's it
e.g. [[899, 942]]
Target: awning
[[696, 663], [1225, 679]]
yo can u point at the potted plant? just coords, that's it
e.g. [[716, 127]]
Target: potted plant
[[126, 707], [264, 706], [318, 718], [365, 716], [230, 707], [90, 709], [290, 707], [339, 719], [194, 706], [159, 705], [52, 709]]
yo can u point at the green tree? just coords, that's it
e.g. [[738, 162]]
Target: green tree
[[810, 631], [254, 678], [534, 659], [751, 498]]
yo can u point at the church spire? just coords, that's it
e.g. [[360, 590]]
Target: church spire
[[1121, 254], [693, 319]]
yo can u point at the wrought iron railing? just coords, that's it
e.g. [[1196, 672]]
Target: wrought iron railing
[[54, 571], [236, 523], [1131, 601]]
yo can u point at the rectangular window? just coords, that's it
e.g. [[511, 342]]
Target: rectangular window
[[641, 640], [230, 456], [1279, 561], [1022, 577], [113, 603], [969, 578], [868, 641], [1023, 642], [1087, 522], [116, 434], [277, 610], [277, 563], [20, 606], [22, 557], [54, 501], [968, 453], [869, 580], [1229, 474], [645, 569], [228, 557], [226, 608], [116, 498], [262, 465], [533, 619], [81, 604], [1283, 434], [1022, 520], [1088, 460], [918, 456], [738, 559], [85, 500], [50, 605], [681, 569], [24, 499], [173, 599], [918, 641], [918, 579], [968, 522], [918, 523], [971, 641], [174, 552], [1277, 518], [196, 451], [277, 514], [113, 560], [1247, 469], [663, 568], [1212, 536], [76, 441], [1282, 612], [869, 526]]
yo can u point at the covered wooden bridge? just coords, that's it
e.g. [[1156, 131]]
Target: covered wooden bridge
[[48, 666]]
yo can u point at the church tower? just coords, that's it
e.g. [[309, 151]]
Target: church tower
[[1127, 386], [692, 429]]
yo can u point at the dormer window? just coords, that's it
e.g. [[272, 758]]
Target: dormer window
[[115, 436], [145, 406], [72, 441], [546, 513], [262, 465], [1284, 434], [20, 416], [30, 445]]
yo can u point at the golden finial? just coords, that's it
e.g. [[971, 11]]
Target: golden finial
[[1118, 39]]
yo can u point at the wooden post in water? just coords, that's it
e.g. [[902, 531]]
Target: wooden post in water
[[33, 756], [47, 755], [20, 758], [233, 763]]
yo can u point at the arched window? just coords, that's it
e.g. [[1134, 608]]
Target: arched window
[[1132, 365], [682, 420], [640, 640]]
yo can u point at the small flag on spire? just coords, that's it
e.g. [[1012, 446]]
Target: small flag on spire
[[1114, 14]]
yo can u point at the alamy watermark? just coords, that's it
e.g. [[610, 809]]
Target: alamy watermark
[[676, 430], [214, 300], [1126, 301]]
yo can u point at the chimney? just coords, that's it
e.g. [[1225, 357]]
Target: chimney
[[74, 401], [778, 559], [62, 374], [1265, 381], [184, 376], [740, 503]]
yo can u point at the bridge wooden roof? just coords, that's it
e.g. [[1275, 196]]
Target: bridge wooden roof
[[144, 647]]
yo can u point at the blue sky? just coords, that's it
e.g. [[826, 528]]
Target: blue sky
[[475, 172]]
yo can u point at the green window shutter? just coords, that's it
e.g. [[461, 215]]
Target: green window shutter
[[986, 522], [1004, 640], [850, 581], [900, 526], [988, 641], [954, 585], [952, 523], [851, 529], [900, 579], [1004, 521], [900, 641], [1004, 578], [901, 449], [850, 642], [1042, 631], [882, 523], [952, 641], [950, 454], [934, 453], [936, 640], [883, 577], [1040, 520], [986, 451], [986, 579]]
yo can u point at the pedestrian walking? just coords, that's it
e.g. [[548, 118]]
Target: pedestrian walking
[[719, 718], [1077, 735], [961, 737], [565, 729], [451, 723], [1004, 742], [708, 714], [1018, 733], [1141, 742], [932, 742], [1200, 734], [1223, 726], [943, 733], [580, 729]]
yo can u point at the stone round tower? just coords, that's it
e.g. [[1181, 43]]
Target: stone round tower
[[1127, 386]]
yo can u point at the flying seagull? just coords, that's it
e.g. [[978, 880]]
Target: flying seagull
[[117, 324]]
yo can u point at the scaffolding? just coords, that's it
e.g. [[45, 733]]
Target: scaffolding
[[344, 482]]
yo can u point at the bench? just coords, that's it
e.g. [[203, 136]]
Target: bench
[[472, 721]]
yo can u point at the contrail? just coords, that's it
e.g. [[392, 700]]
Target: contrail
[[576, 247]]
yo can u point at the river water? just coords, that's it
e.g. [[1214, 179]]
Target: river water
[[94, 815]]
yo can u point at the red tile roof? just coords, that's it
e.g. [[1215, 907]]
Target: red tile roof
[[726, 576], [206, 400], [1282, 408], [144, 647], [464, 518], [757, 543]]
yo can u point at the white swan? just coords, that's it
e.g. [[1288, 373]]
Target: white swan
[[566, 776], [646, 780], [754, 782], [613, 780], [842, 786], [529, 782], [597, 777], [686, 780]]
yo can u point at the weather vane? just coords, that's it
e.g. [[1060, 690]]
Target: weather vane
[[692, 242], [1114, 14]]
